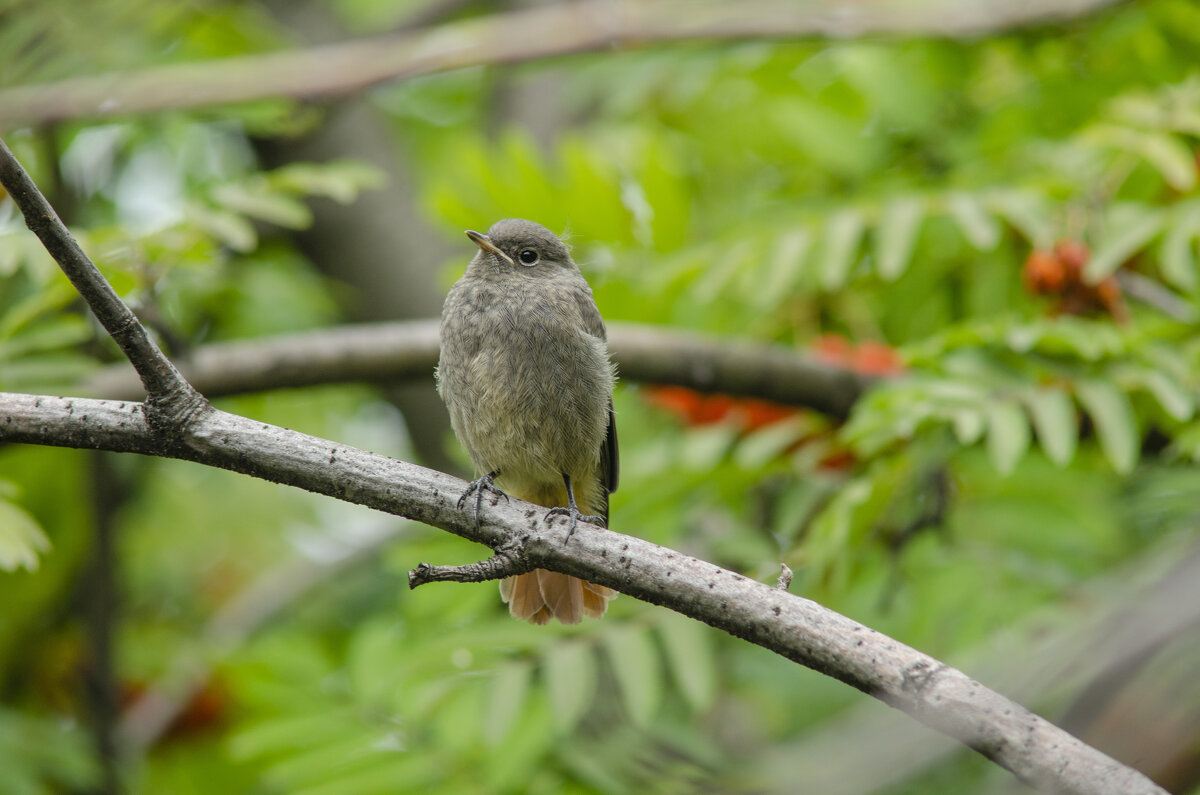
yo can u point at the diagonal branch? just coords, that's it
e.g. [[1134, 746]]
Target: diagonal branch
[[157, 373], [389, 352], [515, 37], [167, 389], [941, 697]]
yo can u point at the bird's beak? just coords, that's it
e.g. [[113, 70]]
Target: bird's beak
[[487, 245]]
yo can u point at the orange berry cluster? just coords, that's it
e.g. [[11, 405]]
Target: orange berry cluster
[[1059, 273]]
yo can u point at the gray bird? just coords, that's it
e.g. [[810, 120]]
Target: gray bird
[[525, 374]]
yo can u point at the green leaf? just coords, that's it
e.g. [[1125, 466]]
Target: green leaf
[[1128, 227], [258, 202], [977, 226], [969, 424], [227, 227], [660, 174], [1115, 423], [41, 755], [766, 444], [1056, 423], [1177, 251], [512, 763], [690, 658], [1173, 159], [1174, 399], [46, 372], [1167, 153], [21, 538], [340, 180], [276, 735], [832, 141], [829, 540], [1088, 339], [570, 670], [373, 660], [45, 301], [454, 721], [843, 234], [636, 668], [1027, 213], [53, 334], [506, 699], [897, 235], [714, 281], [10, 254], [703, 448], [786, 262], [379, 774], [1008, 435], [349, 753]]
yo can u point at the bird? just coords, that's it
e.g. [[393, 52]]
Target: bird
[[526, 377]]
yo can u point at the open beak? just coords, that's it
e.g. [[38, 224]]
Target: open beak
[[486, 245]]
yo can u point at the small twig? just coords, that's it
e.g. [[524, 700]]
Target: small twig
[[785, 577], [497, 567]]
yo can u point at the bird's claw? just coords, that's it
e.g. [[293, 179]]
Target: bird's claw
[[575, 515], [478, 487]]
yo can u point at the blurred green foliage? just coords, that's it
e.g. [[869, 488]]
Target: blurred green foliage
[[784, 191]]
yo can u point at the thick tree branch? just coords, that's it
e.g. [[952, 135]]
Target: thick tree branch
[[515, 37], [384, 352], [801, 630]]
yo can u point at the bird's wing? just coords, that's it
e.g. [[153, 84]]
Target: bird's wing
[[610, 465], [592, 322]]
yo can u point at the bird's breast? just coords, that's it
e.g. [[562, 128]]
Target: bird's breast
[[528, 388]]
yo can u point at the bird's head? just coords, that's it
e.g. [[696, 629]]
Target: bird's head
[[515, 246]]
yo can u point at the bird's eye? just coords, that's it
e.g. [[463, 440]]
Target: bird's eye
[[528, 256]]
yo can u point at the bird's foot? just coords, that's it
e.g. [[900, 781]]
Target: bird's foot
[[575, 515], [478, 487]]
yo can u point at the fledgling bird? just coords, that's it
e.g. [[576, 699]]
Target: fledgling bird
[[525, 374]]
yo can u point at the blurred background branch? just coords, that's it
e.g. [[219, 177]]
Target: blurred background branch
[[387, 352], [333, 70]]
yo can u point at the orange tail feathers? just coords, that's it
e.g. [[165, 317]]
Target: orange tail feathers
[[541, 595]]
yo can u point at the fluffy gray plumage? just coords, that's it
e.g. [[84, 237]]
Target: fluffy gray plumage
[[525, 374]]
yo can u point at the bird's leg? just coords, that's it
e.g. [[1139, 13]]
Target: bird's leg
[[571, 510], [478, 487]]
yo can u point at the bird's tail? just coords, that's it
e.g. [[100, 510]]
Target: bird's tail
[[539, 595]]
